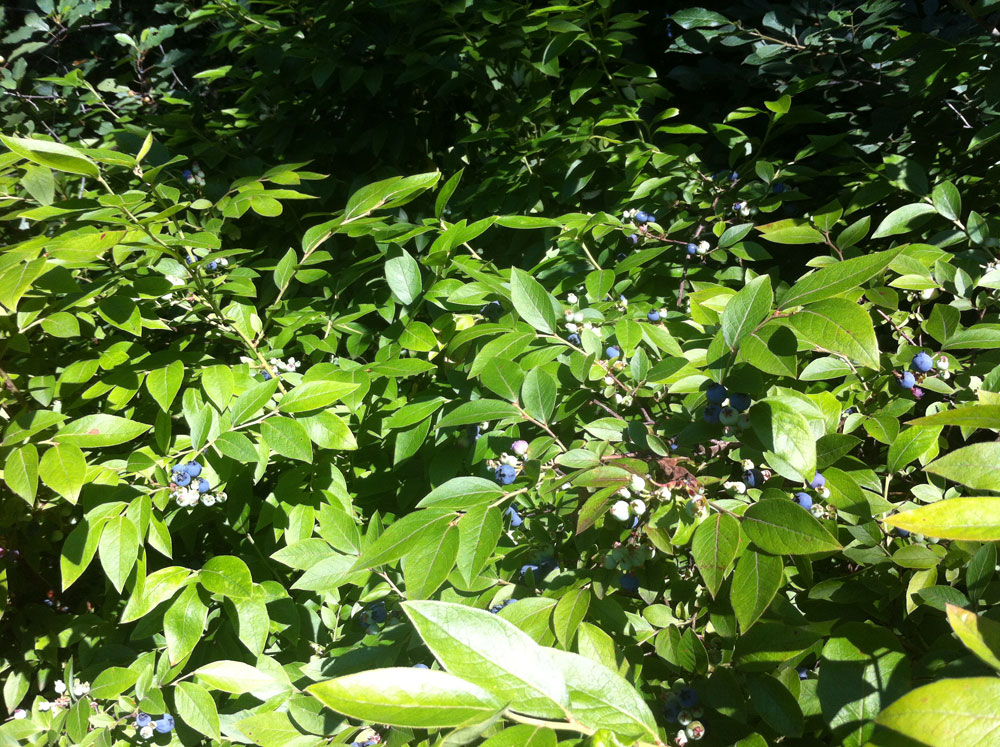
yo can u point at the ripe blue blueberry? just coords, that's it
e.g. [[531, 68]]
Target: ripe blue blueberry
[[672, 710], [515, 517], [203, 485], [692, 248], [903, 533], [505, 474], [180, 477], [734, 176], [804, 499], [641, 217], [628, 582], [574, 338], [778, 188], [528, 567], [907, 380], [190, 260], [803, 672], [143, 719], [612, 352], [818, 481], [187, 174], [192, 468], [753, 478], [740, 401], [164, 724], [420, 666], [267, 376], [379, 613], [716, 394], [653, 316], [650, 218], [688, 697], [212, 265], [922, 362], [712, 413]]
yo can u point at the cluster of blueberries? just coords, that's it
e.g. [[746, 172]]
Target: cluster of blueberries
[[164, 724], [182, 475], [212, 265], [683, 708], [804, 499], [374, 616], [734, 413], [922, 363]]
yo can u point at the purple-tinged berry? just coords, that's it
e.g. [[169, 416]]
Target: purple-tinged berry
[[505, 474], [519, 447], [818, 481], [716, 394], [712, 413], [804, 499], [917, 392], [653, 316], [907, 380], [164, 724], [612, 352], [922, 362], [740, 401]]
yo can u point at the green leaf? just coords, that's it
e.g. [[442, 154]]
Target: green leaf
[[839, 277], [20, 472], [329, 431], [184, 624], [790, 231], [94, 431], [599, 283], [522, 735], [462, 493], [756, 580], [427, 566], [418, 337], [478, 411], [252, 400], [164, 383], [911, 444], [903, 219], [734, 234], [947, 200], [402, 273], [54, 155], [79, 549], [973, 465], [746, 310], [601, 698], [227, 575], [218, 383], [935, 713], [64, 469], [314, 395], [783, 527], [118, 550], [234, 677], [407, 697], [774, 703], [112, 682], [479, 531], [538, 393], [196, 708], [284, 271], [967, 416], [693, 18], [402, 536], [784, 431], [569, 613], [981, 635], [838, 326], [986, 135], [287, 437], [488, 651], [713, 547], [973, 519], [532, 302]]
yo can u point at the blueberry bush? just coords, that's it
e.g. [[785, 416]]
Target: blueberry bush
[[483, 373]]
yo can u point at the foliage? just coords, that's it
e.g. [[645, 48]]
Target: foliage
[[464, 470]]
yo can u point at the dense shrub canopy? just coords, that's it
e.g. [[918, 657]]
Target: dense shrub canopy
[[443, 373]]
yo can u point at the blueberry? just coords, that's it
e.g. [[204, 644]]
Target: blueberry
[[505, 474], [688, 697], [716, 394], [754, 478], [628, 582], [653, 316], [574, 338], [192, 468], [143, 719], [804, 499], [187, 174], [190, 260], [740, 401], [612, 352], [672, 710], [818, 481], [903, 533], [922, 362], [634, 238], [734, 176], [778, 188], [203, 485], [379, 613], [692, 248], [712, 413], [515, 517], [907, 380], [917, 392], [267, 376], [650, 218], [212, 265], [641, 217], [492, 311], [803, 672], [181, 478], [528, 567], [420, 666], [164, 724]]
